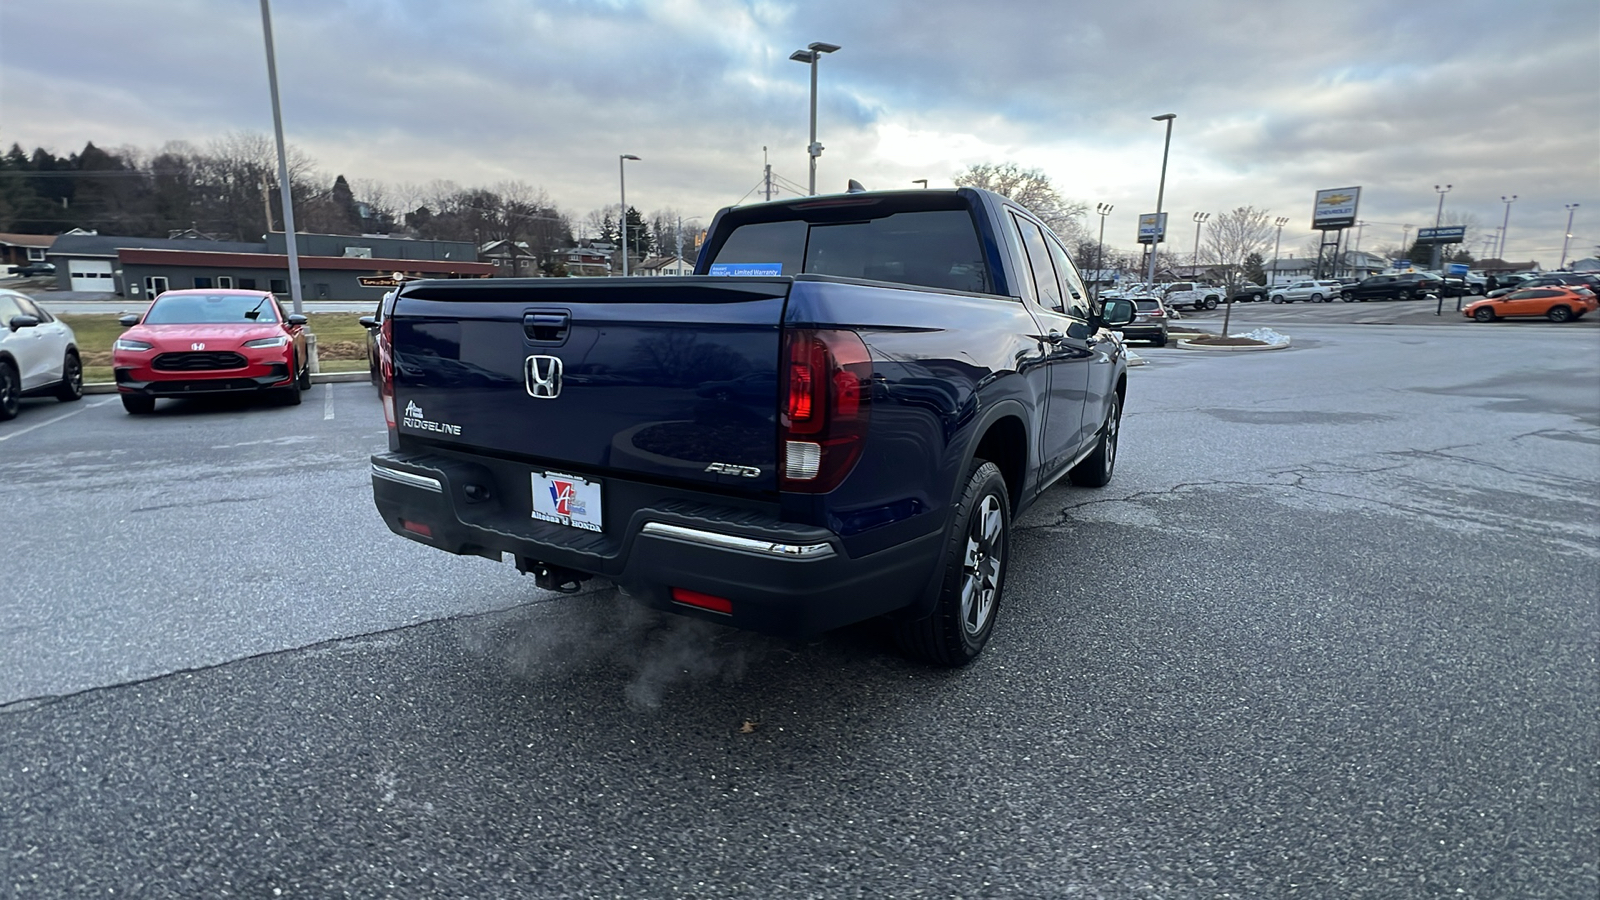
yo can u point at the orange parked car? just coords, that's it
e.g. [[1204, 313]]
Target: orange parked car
[[1556, 302]]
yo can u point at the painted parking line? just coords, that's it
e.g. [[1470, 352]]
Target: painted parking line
[[327, 402], [22, 431]]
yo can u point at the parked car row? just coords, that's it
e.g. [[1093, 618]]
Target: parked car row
[[1556, 302]]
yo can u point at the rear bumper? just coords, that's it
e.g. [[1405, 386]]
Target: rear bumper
[[779, 578]]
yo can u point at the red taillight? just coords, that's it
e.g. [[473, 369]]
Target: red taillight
[[386, 371], [827, 379], [416, 528], [702, 601]]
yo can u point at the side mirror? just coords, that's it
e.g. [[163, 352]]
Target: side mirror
[[368, 322], [1117, 313], [18, 323], [128, 321], [297, 319]]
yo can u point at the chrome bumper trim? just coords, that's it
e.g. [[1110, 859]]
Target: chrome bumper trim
[[730, 542], [407, 478]]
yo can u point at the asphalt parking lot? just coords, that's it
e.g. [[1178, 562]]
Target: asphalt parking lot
[[1329, 632]]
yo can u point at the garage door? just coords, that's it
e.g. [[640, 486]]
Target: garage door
[[91, 275]]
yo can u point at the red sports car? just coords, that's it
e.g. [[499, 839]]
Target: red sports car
[[210, 341]]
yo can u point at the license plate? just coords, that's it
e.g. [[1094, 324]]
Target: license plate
[[567, 500]]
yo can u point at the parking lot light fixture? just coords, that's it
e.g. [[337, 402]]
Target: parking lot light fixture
[[1279, 222], [1103, 210], [1438, 217], [1161, 190], [1571, 208], [284, 185], [1199, 219], [1505, 224], [622, 181], [809, 56]]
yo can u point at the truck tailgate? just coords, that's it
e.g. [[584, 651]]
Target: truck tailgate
[[665, 378]]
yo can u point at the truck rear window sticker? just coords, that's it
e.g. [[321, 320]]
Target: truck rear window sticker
[[744, 269]]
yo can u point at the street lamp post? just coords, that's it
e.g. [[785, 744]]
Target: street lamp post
[[1505, 224], [1161, 190], [1571, 208], [284, 188], [1103, 210], [1199, 219], [1279, 222], [1438, 217], [810, 55], [622, 181]]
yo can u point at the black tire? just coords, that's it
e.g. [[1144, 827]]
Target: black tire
[[1258, 298], [10, 391], [974, 559], [1097, 467], [1211, 303], [1483, 314], [71, 387], [1405, 295], [138, 404], [1159, 340], [304, 381], [1316, 298], [1277, 298], [1348, 297], [1558, 314]]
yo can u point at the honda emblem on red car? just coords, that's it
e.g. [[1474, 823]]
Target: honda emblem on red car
[[197, 346]]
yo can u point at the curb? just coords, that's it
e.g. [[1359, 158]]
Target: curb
[[1189, 345], [110, 387]]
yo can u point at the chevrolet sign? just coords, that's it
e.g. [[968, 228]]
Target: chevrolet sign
[[1335, 208]]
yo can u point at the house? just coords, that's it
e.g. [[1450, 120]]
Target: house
[[21, 249], [510, 259], [589, 259], [664, 265], [86, 261]]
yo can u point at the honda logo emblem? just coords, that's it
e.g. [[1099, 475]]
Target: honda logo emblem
[[543, 376], [197, 346]]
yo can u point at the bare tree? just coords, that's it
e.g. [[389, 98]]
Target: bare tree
[[1032, 189], [1234, 235]]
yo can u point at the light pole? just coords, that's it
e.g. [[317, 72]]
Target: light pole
[[1405, 240], [622, 180], [1280, 222], [1571, 207], [1103, 210], [1199, 219], [284, 188], [1505, 224], [1438, 217], [810, 55], [1161, 190]]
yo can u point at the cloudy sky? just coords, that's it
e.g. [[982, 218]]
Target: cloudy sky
[[1275, 99]]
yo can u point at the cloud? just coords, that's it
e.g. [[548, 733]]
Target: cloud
[[1274, 101]]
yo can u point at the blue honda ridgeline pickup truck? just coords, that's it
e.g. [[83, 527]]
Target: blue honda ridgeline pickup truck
[[836, 417]]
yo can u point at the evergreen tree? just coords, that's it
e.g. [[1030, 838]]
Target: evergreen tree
[[1255, 270]]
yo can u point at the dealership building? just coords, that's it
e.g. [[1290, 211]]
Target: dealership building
[[332, 267]]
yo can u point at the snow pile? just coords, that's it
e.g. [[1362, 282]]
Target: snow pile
[[1265, 336]]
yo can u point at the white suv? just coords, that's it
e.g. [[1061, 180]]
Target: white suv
[[1193, 295], [1313, 291]]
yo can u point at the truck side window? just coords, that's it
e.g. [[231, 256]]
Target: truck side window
[[1048, 289], [1076, 297]]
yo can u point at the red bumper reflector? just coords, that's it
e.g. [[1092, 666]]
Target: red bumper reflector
[[416, 528], [702, 601]]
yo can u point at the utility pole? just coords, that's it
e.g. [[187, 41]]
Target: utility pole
[[1438, 217], [1102, 210], [1278, 244], [285, 186], [768, 168], [1571, 208]]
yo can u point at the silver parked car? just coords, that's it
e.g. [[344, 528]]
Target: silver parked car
[[38, 355], [1313, 291]]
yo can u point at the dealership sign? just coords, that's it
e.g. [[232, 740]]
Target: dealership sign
[[1335, 208], [1450, 234], [1151, 232]]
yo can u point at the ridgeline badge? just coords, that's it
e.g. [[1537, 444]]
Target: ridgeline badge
[[416, 421]]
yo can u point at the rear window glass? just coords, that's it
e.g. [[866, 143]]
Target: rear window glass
[[1146, 305], [931, 248]]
